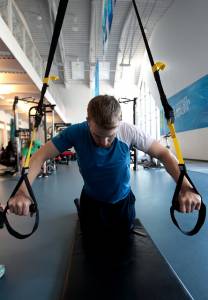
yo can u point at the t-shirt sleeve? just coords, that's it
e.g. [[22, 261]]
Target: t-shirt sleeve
[[141, 140], [134, 136], [66, 138]]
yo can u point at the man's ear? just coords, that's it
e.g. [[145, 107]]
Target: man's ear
[[88, 120]]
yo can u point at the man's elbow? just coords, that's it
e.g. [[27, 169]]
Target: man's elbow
[[159, 151], [166, 156]]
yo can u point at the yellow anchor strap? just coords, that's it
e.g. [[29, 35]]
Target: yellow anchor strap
[[46, 79], [27, 161], [158, 66], [176, 143]]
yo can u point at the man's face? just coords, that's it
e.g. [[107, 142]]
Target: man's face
[[101, 136]]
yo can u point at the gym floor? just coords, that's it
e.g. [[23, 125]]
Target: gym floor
[[35, 267]]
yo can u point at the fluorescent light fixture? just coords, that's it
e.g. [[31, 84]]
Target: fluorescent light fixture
[[125, 65], [6, 89]]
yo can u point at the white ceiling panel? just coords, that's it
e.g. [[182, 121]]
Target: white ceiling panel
[[124, 41]]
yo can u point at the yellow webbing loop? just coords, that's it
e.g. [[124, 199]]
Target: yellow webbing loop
[[53, 77], [27, 161], [176, 143], [158, 66]]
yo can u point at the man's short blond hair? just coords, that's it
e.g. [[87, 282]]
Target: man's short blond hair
[[105, 111]]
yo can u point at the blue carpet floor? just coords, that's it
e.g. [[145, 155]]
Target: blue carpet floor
[[35, 267]]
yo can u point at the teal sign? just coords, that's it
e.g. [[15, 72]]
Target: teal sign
[[190, 107]]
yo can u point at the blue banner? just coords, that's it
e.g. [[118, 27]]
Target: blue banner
[[110, 14], [107, 18], [104, 22], [97, 80], [190, 107]]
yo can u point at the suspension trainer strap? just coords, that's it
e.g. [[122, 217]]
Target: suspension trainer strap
[[169, 115], [57, 29], [33, 208], [39, 113], [175, 204]]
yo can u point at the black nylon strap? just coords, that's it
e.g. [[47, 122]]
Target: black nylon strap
[[169, 114], [175, 204], [57, 29], [33, 209], [167, 108]]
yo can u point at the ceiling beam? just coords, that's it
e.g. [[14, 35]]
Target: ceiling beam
[[10, 66], [21, 78], [6, 54]]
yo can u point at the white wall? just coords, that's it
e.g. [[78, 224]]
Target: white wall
[[73, 102], [5, 120], [5, 127], [4, 117], [181, 40], [194, 144], [106, 89]]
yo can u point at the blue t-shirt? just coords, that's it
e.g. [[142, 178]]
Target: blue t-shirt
[[105, 171]]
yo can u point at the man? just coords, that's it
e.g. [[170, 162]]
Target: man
[[102, 145]]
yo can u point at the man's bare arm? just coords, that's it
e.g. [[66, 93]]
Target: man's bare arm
[[19, 204], [188, 200]]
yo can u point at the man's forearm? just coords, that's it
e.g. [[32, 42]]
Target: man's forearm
[[171, 164], [20, 202], [36, 163]]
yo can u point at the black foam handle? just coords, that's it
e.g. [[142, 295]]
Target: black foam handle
[[176, 207], [33, 209]]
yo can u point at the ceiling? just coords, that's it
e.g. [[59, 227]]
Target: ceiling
[[81, 37], [80, 42], [13, 81]]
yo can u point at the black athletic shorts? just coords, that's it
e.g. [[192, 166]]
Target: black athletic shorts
[[97, 217]]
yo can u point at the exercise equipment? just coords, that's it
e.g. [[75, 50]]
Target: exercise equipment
[[130, 268], [18, 132], [47, 109], [38, 117], [169, 114], [65, 157], [58, 127], [133, 151]]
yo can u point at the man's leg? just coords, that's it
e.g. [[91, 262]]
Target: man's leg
[[120, 216], [2, 267], [89, 215], [98, 217]]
